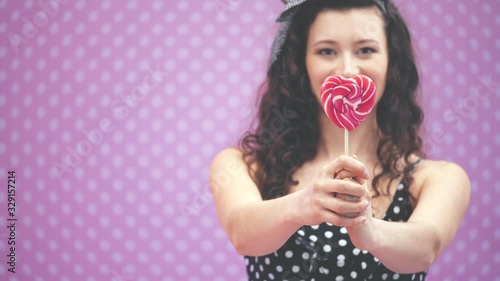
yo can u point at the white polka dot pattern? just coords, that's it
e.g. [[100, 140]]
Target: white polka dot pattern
[[111, 111], [335, 257]]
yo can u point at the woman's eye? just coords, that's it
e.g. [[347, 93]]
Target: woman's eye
[[366, 50], [326, 52]]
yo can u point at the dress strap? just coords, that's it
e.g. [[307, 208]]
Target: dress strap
[[414, 166]]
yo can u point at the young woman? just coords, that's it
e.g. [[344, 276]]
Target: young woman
[[280, 195]]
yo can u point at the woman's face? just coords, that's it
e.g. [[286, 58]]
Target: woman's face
[[347, 43]]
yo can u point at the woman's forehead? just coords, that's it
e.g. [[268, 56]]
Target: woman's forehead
[[357, 24]]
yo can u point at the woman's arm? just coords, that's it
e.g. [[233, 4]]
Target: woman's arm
[[254, 227], [414, 246], [257, 227]]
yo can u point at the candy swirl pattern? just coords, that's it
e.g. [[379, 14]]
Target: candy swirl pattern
[[348, 101]]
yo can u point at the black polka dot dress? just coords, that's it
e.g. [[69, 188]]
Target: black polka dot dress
[[325, 252]]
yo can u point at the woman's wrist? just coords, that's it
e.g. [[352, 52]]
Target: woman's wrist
[[378, 238], [290, 215]]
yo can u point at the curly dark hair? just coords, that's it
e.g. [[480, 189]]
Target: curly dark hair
[[287, 133]]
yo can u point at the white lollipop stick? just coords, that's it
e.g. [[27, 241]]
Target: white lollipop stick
[[346, 141]]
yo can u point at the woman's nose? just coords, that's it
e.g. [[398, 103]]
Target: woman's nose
[[347, 67]]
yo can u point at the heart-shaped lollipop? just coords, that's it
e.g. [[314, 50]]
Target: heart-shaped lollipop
[[348, 101]]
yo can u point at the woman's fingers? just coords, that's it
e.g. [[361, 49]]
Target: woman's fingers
[[342, 206], [347, 175], [339, 219], [338, 195], [337, 186], [349, 164], [343, 197]]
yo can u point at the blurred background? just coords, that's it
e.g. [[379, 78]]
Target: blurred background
[[111, 112]]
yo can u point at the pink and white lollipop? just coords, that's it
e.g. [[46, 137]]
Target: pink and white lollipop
[[348, 101]]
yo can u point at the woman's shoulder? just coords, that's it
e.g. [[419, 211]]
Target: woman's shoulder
[[230, 177], [431, 168], [228, 153], [227, 158], [232, 155], [229, 162], [434, 173]]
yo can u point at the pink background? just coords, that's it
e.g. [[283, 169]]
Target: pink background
[[132, 99]]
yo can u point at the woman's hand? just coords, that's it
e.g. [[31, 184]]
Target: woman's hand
[[323, 200], [363, 234]]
